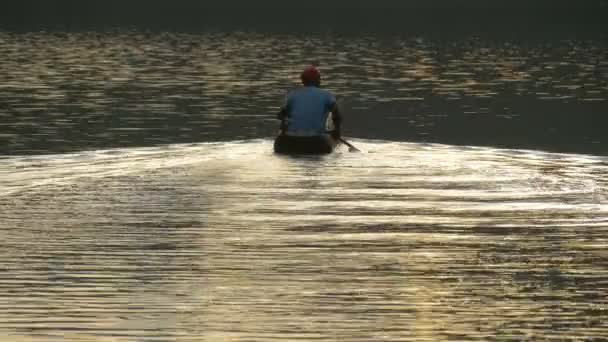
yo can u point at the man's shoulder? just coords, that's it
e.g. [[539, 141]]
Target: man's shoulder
[[327, 94], [322, 92], [308, 90], [295, 91]]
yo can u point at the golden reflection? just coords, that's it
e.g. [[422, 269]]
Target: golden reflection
[[227, 241], [230, 241]]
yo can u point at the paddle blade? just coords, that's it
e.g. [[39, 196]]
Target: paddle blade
[[351, 147]]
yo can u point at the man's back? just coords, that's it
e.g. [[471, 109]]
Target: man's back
[[307, 109]]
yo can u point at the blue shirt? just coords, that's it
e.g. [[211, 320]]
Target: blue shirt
[[307, 110]]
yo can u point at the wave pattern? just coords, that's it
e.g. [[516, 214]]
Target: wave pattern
[[62, 92], [226, 241]]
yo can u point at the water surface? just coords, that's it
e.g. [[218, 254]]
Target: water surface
[[140, 199], [227, 241], [87, 90]]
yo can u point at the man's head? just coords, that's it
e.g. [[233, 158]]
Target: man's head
[[311, 77]]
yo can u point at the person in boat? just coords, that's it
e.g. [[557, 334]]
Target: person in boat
[[304, 117]]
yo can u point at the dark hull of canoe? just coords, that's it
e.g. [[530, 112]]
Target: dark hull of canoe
[[285, 144]]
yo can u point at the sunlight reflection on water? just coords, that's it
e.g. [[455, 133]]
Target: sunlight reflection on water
[[227, 241], [66, 91]]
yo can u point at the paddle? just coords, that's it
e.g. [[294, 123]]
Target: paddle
[[351, 148]]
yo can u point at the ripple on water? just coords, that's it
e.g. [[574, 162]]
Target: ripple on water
[[67, 91], [224, 241]]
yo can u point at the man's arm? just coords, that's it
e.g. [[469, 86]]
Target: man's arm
[[337, 120], [283, 115]]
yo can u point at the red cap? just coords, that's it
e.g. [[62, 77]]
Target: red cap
[[310, 75]]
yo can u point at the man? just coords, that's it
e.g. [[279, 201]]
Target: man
[[304, 118]]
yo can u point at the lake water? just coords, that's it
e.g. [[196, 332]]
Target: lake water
[[61, 92], [140, 199]]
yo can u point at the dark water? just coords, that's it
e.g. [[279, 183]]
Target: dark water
[[86, 90], [140, 199]]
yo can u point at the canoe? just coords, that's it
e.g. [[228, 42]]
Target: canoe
[[322, 144]]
